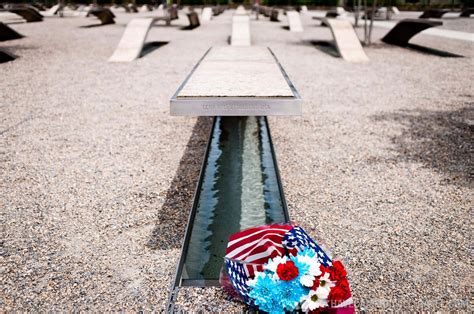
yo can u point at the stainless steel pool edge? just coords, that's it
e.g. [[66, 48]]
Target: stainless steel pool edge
[[178, 282], [187, 236], [277, 172], [237, 106]]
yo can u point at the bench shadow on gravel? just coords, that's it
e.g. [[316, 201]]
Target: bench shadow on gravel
[[172, 217], [152, 46], [328, 47], [440, 140]]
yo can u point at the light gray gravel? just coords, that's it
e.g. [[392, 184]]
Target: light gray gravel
[[96, 179]]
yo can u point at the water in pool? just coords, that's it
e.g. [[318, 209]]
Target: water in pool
[[239, 190]]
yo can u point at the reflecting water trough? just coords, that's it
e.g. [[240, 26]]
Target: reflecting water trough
[[239, 188]]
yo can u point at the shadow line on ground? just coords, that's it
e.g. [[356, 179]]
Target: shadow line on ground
[[173, 216]]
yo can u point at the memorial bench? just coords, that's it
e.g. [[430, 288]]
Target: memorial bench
[[171, 15], [347, 41], [206, 14], [294, 21], [133, 39], [226, 82], [6, 57], [193, 19], [272, 13], [401, 33], [237, 85], [29, 13], [240, 30], [467, 12], [103, 14], [433, 13], [218, 10], [7, 33]]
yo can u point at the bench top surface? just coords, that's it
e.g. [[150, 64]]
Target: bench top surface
[[251, 72]]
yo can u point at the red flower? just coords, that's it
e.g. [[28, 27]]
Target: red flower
[[287, 271], [338, 271], [340, 292]]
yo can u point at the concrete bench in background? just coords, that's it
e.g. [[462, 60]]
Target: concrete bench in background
[[218, 10], [193, 19], [240, 10], [346, 40], [206, 14], [274, 15], [7, 33], [433, 13], [240, 30], [103, 14], [53, 10], [294, 21], [29, 13], [170, 15], [401, 33], [467, 12], [133, 39], [6, 57]]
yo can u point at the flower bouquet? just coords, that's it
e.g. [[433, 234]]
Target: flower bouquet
[[279, 268]]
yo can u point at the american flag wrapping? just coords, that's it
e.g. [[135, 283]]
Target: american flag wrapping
[[248, 250]]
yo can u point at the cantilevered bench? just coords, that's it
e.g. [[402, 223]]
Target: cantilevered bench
[[274, 15], [7, 33], [467, 12], [218, 10], [236, 81], [401, 33], [240, 30], [53, 10], [170, 15], [206, 14], [29, 13], [133, 40], [294, 21], [193, 18], [103, 14], [240, 10], [346, 39], [433, 13]]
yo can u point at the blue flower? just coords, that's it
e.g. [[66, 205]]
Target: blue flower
[[262, 288], [290, 293], [273, 306], [303, 260]]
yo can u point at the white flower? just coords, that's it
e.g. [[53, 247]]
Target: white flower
[[273, 263], [315, 299], [325, 283], [307, 278]]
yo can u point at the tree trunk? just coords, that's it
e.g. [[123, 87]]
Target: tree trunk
[[365, 22]]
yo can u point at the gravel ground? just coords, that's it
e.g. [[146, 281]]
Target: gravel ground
[[97, 178]]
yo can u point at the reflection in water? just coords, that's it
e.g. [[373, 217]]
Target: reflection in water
[[239, 190]]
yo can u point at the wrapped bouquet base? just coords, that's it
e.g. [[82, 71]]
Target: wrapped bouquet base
[[279, 268]]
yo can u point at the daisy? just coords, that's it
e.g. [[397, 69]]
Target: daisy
[[325, 283], [315, 300]]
